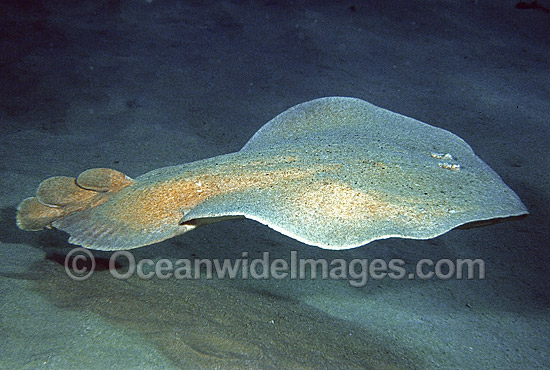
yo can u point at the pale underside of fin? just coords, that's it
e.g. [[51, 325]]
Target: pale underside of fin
[[334, 172]]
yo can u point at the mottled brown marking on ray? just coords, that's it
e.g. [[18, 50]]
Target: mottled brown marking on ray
[[165, 202]]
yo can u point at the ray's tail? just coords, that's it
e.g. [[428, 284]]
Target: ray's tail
[[104, 209], [59, 196]]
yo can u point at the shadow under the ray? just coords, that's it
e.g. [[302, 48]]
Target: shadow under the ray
[[205, 323]]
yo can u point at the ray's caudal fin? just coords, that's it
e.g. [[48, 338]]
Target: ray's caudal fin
[[58, 197]]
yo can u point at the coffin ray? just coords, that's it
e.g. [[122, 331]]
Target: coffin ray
[[334, 172]]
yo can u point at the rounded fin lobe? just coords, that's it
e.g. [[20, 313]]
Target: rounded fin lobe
[[103, 180], [62, 191], [60, 196], [34, 216]]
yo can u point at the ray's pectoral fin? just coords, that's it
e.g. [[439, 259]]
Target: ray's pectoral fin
[[58, 197]]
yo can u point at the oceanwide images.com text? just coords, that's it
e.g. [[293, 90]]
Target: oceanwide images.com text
[[80, 264]]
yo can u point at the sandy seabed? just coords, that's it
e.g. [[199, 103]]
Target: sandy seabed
[[135, 85]]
